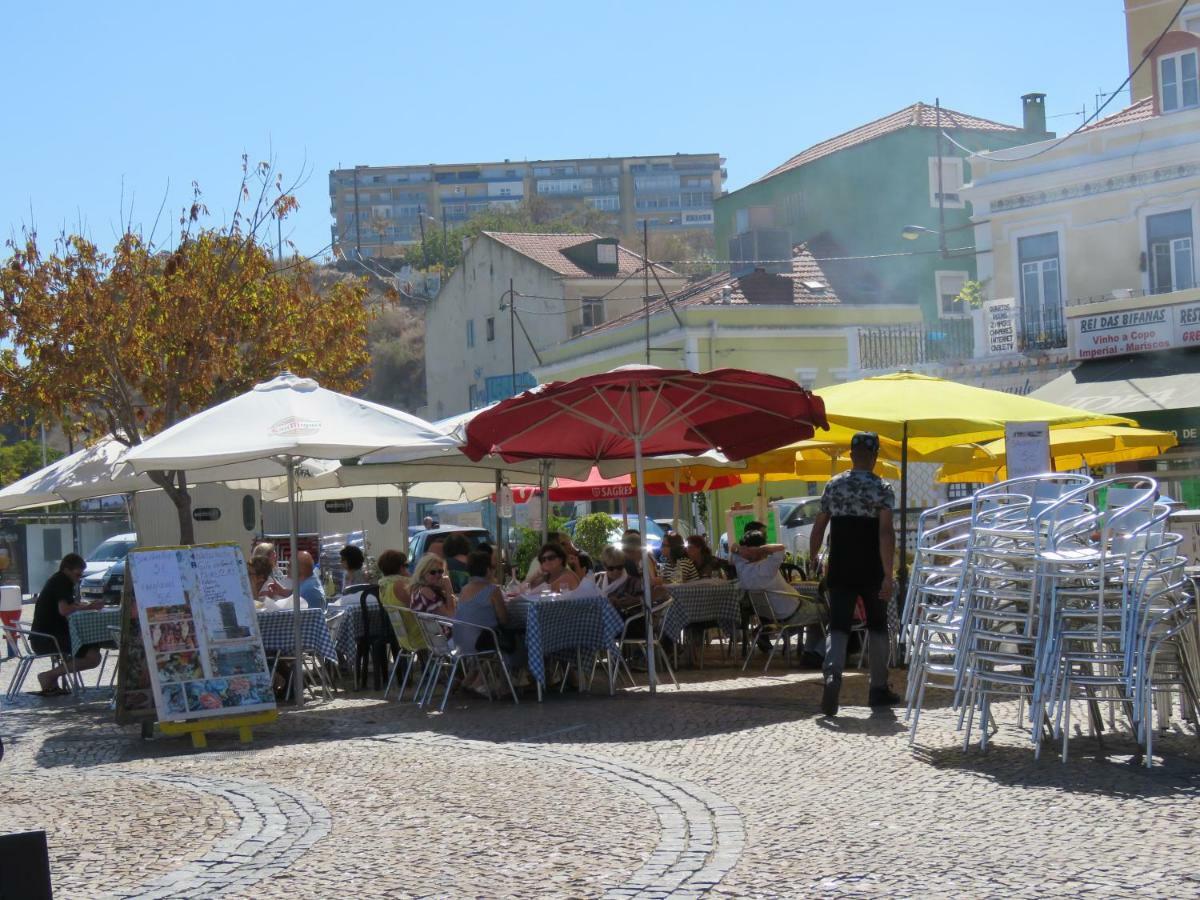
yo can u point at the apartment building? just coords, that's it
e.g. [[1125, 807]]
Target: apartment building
[[378, 209]]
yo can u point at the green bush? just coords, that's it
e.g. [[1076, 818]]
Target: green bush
[[591, 534]]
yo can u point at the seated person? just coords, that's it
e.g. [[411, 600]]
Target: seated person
[[577, 561], [312, 594], [481, 603], [619, 584], [260, 574], [55, 603], [431, 589], [706, 564], [757, 564], [676, 565], [352, 565], [554, 571], [394, 589], [456, 549], [636, 557]]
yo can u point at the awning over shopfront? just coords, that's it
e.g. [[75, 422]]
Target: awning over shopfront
[[1161, 390]]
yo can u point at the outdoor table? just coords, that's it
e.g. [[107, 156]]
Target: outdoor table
[[275, 626], [91, 626], [706, 600], [564, 628]]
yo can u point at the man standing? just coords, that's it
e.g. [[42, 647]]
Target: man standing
[[862, 543]]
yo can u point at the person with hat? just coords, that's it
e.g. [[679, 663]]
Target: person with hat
[[857, 508]]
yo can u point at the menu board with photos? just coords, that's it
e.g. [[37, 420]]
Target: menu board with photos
[[200, 632]]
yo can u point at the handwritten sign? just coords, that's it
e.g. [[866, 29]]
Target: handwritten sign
[[999, 318], [1027, 448]]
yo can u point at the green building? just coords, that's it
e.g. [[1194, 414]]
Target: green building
[[853, 195]]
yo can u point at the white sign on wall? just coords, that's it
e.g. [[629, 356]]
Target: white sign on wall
[[1027, 448], [1135, 331], [1000, 326]]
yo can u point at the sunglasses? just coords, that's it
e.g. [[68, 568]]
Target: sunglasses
[[436, 572]]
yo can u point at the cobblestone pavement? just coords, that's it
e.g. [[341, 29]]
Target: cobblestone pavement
[[731, 785]]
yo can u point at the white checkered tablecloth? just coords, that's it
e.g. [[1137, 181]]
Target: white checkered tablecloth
[[708, 600], [564, 626], [276, 629], [90, 626]]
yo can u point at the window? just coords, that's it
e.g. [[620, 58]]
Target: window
[[949, 285], [961, 490], [607, 204], [52, 549], [491, 328], [952, 181], [1041, 290], [470, 333], [606, 254], [474, 401], [1169, 252], [382, 512], [248, 512], [741, 221], [1177, 84], [339, 506], [593, 312]]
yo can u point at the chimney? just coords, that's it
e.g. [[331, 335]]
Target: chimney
[[1033, 111]]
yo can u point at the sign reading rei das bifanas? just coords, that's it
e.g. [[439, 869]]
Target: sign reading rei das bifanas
[[1136, 331]]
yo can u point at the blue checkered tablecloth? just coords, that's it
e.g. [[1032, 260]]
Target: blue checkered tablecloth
[[276, 629], [708, 600], [90, 626], [563, 627], [348, 632]]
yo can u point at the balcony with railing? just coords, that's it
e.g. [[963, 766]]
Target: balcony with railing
[[898, 346]]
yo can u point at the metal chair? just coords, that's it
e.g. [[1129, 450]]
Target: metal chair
[[27, 656], [651, 637], [444, 656], [410, 637], [771, 626]]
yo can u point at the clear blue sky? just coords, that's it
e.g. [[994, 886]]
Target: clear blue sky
[[155, 93]]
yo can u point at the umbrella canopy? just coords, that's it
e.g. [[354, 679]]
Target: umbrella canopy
[[824, 469], [637, 411], [660, 482], [101, 470], [286, 417], [448, 491], [286, 420], [932, 413], [1070, 448]]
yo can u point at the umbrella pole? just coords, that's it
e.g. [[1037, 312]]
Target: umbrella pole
[[404, 516], [760, 504], [651, 676], [675, 503], [294, 574], [545, 482], [496, 552], [902, 580]]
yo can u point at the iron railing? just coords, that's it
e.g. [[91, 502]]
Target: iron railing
[[906, 345]]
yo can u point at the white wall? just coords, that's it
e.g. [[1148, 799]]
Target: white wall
[[158, 524], [363, 517]]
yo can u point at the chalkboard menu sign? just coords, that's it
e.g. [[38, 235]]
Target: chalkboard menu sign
[[191, 636]]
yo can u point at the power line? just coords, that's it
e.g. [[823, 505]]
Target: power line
[[1099, 109]]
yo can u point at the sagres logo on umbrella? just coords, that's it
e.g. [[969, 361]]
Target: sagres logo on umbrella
[[294, 426]]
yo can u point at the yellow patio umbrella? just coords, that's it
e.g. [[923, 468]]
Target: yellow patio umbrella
[[926, 414], [815, 469], [1070, 448]]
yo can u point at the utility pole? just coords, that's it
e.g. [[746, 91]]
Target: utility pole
[[937, 110], [357, 241], [512, 334], [646, 281], [424, 248]]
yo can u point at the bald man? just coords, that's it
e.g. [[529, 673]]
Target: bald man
[[311, 591]]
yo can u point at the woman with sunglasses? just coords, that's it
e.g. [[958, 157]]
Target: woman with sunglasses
[[554, 570], [431, 589]]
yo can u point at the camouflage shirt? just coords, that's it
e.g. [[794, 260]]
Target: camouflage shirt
[[853, 501]]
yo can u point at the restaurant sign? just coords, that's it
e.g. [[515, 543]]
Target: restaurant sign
[[1135, 331], [1000, 322]]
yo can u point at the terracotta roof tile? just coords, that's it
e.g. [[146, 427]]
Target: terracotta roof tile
[[805, 285], [1138, 112], [919, 115], [547, 250]]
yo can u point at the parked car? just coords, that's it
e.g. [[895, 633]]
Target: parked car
[[420, 540], [652, 540], [667, 524], [104, 575]]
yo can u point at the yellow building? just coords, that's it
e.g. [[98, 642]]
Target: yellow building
[[1144, 22], [1092, 258]]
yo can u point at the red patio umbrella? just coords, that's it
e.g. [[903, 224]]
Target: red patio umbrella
[[638, 411], [597, 487]]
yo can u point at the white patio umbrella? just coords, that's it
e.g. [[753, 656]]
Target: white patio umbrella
[[101, 471], [286, 420]]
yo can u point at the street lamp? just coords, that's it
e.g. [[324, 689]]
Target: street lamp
[[912, 232]]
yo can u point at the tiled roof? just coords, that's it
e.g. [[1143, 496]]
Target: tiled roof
[[547, 250], [919, 115], [1143, 109], [805, 285]]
